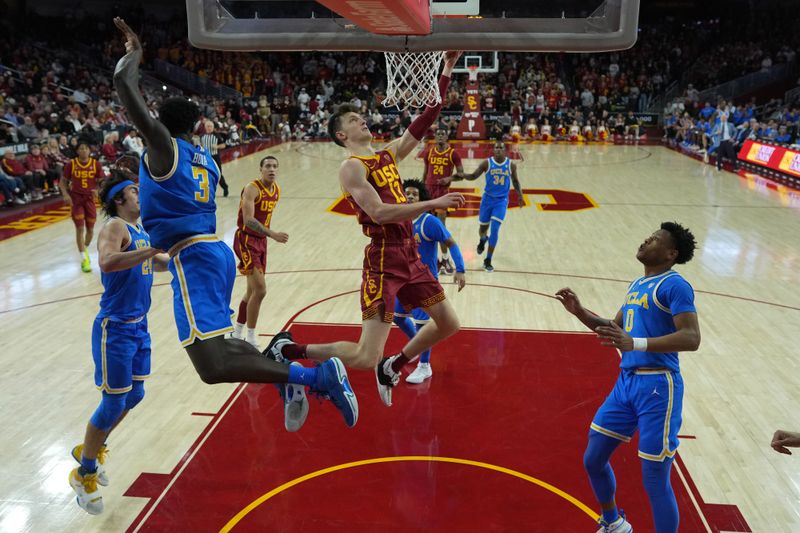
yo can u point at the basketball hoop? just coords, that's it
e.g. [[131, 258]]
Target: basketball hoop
[[412, 79], [473, 72]]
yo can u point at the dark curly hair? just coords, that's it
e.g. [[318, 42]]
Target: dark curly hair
[[179, 115], [683, 240], [420, 186], [335, 122], [110, 204]]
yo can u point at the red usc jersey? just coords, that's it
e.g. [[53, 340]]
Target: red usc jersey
[[83, 178], [265, 204], [383, 176], [440, 164]]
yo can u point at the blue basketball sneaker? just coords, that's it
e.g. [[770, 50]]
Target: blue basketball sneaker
[[333, 384], [295, 403]]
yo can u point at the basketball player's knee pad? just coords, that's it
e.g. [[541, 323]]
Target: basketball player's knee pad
[[109, 410], [135, 395], [494, 232]]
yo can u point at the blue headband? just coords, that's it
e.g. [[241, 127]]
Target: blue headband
[[117, 188]]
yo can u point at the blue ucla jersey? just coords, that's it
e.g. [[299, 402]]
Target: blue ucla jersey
[[181, 203], [647, 312], [429, 232], [498, 178], [127, 292]]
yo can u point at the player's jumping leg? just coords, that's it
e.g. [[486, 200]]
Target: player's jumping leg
[[445, 323], [407, 325], [655, 476], [221, 360], [604, 484], [84, 479], [203, 276], [423, 370]]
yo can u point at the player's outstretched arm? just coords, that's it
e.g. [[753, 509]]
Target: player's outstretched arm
[[459, 277], [352, 176], [416, 131], [110, 245], [126, 82], [571, 303], [483, 167]]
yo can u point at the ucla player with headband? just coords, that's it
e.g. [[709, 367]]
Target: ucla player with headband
[[178, 185], [501, 173], [429, 233], [120, 340], [656, 321]]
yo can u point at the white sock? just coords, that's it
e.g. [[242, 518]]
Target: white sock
[[251, 335], [446, 256], [237, 330]]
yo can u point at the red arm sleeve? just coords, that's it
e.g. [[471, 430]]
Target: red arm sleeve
[[420, 126]]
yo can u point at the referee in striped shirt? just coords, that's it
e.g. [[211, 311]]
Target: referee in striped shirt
[[211, 142]]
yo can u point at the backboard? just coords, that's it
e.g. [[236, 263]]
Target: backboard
[[480, 25]]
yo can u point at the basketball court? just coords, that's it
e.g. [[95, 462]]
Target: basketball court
[[494, 441]]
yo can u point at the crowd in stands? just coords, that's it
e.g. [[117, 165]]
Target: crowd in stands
[[57, 87]]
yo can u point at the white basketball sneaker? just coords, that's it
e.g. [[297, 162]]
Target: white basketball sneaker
[[420, 374], [102, 456], [620, 525], [89, 497], [387, 379]]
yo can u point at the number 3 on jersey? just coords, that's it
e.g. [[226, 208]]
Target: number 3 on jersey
[[629, 320], [201, 175]]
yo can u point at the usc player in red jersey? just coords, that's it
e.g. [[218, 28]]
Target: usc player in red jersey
[[441, 160], [259, 198], [392, 266], [79, 189]]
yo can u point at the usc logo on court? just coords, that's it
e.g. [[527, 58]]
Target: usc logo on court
[[544, 199]]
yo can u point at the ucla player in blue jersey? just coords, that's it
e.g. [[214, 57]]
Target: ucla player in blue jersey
[[657, 320], [120, 340], [429, 231], [501, 173], [178, 185]]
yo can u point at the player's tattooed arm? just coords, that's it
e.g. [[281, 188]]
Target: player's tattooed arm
[[126, 81], [248, 215]]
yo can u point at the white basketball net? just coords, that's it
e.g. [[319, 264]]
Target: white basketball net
[[412, 79]]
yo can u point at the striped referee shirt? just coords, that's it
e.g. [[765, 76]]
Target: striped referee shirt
[[209, 141]]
